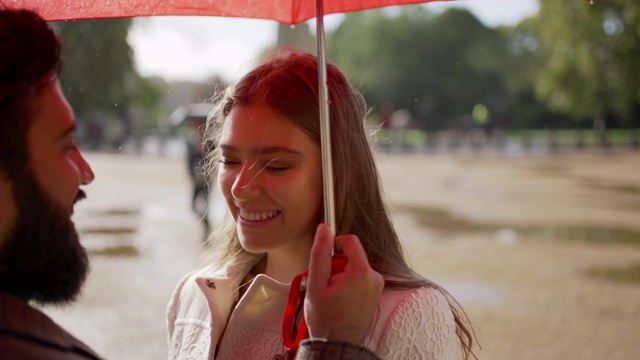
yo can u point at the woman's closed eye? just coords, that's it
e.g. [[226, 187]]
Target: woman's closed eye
[[227, 162], [275, 167]]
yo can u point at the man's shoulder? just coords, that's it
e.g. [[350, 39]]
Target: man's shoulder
[[27, 333]]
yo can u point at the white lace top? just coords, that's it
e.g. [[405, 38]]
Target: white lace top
[[409, 324]]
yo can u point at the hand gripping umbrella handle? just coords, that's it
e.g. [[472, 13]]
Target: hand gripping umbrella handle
[[338, 263]]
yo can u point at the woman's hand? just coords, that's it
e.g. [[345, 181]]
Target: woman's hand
[[340, 306]]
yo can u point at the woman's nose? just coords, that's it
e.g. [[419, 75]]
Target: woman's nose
[[246, 183]]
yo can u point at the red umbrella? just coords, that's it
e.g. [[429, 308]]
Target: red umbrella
[[284, 11]]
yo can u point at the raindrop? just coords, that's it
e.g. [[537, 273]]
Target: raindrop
[[416, 100], [116, 104], [293, 26]]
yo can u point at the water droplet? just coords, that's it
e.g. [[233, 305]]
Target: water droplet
[[293, 26]]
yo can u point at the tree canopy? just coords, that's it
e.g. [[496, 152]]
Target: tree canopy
[[437, 67], [568, 65], [591, 51], [98, 74]]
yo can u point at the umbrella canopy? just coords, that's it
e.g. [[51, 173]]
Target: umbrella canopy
[[284, 11]]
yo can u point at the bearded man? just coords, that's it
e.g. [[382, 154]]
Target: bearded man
[[41, 171]]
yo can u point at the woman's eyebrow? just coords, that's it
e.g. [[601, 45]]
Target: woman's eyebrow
[[271, 150]]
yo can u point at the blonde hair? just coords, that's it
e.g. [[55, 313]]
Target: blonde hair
[[288, 84]]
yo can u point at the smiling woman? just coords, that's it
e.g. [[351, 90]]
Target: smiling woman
[[271, 177], [266, 132]]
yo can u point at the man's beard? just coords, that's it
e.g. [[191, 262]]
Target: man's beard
[[43, 255]]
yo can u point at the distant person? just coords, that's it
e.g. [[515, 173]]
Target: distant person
[[268, 164], [199, 179], [41, 172]]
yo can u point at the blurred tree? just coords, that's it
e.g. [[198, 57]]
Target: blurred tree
[[437, 67], [523, 59], [592, 69], [99, 74]]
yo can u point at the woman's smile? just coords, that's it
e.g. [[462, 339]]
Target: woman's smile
[[257, 216]]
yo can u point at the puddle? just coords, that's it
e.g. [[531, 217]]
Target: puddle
[[108, 231], [118, 212], [111, 232], [473, 293], [441, 220], [616, 187]]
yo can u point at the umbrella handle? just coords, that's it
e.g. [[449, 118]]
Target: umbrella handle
[[338, 262], [325, 125]]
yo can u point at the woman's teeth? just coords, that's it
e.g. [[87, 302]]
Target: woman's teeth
[[257, 215]]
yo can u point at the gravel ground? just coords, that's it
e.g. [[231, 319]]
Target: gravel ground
[[500, 249]]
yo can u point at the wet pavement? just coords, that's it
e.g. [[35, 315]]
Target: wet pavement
[[142, 235]]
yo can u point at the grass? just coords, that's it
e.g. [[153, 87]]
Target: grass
[[442, 220], [564, 138], [627, 274], [113, 251], [109, 230]]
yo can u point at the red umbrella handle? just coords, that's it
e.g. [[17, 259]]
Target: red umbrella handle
[[337, 266]]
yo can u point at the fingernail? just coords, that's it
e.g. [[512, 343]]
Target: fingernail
[[322, 230]]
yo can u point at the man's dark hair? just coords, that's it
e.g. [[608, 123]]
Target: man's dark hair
[[30, 55]]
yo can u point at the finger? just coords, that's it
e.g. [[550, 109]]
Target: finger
[[351, 247], [320, 260]]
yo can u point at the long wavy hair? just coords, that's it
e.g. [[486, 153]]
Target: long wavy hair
[[288, 84]]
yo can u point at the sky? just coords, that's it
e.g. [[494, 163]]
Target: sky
[[197, 48]]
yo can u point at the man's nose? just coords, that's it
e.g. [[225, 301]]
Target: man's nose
[[86, 173]]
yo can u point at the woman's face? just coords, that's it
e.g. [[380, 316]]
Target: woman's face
[[271, 177]]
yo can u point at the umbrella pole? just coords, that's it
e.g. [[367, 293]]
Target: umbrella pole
[[325, 126]]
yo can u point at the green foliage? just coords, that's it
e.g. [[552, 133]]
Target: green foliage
[[98, 74], [98, 67], [591, 51], [437, 67], [565, 67]]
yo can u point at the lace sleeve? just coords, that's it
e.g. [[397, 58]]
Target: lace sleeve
[[172, 307], [421, 327]]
